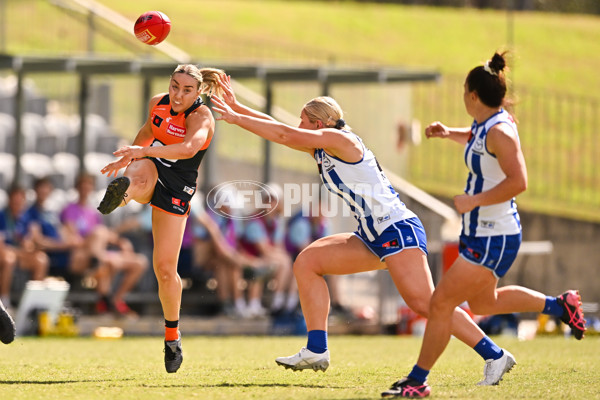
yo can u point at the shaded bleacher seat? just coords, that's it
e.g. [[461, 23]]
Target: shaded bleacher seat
[[66, 165], [48, 145], [108, 143], [7, 169], [95, 126], [32, 128], [36, 165], [7, 132], [94, 162], [62, 127]]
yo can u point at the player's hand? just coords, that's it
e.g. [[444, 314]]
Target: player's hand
[[437, 129], [464, 203], [113, 168], [227, 114], [127, 154], [228, 94], [131, 152]]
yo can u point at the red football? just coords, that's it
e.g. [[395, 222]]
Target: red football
[[152, 27]]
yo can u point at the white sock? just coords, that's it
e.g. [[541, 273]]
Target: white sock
[[240, 304], [292, 303], [278, 300], [254, 304]]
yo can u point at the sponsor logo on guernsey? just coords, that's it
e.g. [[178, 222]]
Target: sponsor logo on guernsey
[[392, 244], [478, 146], [175, 130], [157, 120], [189, 190], [327, 164], [488, 224], [383, 219]]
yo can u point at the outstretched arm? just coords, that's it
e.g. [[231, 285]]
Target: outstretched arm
[[270, 129], [231, 101], [339, 143], [437, 129]]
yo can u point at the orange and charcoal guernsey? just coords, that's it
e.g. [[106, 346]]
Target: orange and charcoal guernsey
[[169, 128]]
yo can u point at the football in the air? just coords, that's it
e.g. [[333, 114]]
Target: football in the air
[[152, 27]]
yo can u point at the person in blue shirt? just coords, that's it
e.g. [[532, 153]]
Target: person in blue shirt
[[264, 239], [47, 230], [303, 229], [18, 247]]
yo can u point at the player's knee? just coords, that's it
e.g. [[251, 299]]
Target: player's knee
[[418, 304], [306, 262], [164, 271], [439, 304], [479, 308]]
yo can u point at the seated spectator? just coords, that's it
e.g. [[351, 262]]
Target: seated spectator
[[104, 253], [46, 230], [216, 247], [263, 239], [301, 231], [17, 247]]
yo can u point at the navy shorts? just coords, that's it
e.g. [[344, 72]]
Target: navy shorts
[[172, 193], [494, 252], [406, 234]]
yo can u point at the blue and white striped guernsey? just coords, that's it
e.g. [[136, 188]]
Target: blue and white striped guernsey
[[484, 174], [365, 189]]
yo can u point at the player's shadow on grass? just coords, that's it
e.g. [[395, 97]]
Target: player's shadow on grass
[[61, 382]]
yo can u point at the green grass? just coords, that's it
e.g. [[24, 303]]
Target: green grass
[[243, 368]]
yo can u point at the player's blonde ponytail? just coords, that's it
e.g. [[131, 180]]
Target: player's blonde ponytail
[[207, 78]]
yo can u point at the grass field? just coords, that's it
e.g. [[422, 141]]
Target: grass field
[[243, 368]]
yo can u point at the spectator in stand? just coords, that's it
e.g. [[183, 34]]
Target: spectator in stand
[[303, 229], [46, 230], [264, 240], [216, 246], [104, 253], [17, 247]]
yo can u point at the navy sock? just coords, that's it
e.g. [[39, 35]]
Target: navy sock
[[487, 349], [317, 341], [552, 307], [171, 324], [418, 374]]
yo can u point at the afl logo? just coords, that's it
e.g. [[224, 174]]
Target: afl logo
[[326, 162], [242, 199], [478, 145]]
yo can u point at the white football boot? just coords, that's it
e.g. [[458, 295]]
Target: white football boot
[[495, 369], [305, 359]]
